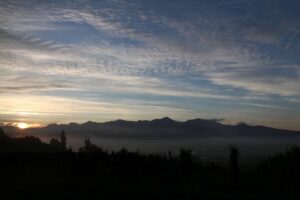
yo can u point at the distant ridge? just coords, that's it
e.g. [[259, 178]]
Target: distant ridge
[[164, 128]]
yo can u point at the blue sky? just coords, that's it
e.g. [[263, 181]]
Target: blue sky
[[64, 61]]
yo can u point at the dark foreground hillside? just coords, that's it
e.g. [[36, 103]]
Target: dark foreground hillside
[[31, 169]]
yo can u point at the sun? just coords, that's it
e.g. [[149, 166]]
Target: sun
[[22, 125]]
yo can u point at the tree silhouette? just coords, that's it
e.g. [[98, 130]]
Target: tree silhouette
[[234, 163], [89, 147], [5, 143], [59, 145], [63, 140], [29, 164], [3, 136], [170, 155], [55, 144], [185, 159]]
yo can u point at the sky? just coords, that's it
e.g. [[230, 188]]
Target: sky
[[74, 61]]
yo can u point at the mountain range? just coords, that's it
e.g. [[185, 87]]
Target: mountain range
[[164, 128]]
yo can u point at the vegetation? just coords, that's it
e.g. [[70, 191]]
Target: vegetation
[[31, 169]]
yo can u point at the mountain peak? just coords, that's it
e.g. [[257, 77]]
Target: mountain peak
[[52, 125], [73, 124], [163, 121], [167, 119], [167, 127], [90, 123]]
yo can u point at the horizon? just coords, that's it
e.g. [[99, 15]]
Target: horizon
[[158, 99], [24, 125], [205, 139], [74, 61]]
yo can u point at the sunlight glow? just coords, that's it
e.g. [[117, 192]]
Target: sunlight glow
[[23, 125]]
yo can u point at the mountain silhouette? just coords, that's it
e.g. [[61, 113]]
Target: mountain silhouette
[[164, 128]]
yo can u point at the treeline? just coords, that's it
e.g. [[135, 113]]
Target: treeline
[[31, 169]]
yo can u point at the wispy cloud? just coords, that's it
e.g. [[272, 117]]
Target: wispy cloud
[[62, 108], [210, 52], [264, 106]]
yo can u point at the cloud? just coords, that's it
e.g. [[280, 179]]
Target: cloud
[[264, 106], [255, 80], [62, 108], [238, 52]]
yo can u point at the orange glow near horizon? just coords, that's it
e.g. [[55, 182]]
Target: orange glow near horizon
[[23, 125]]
